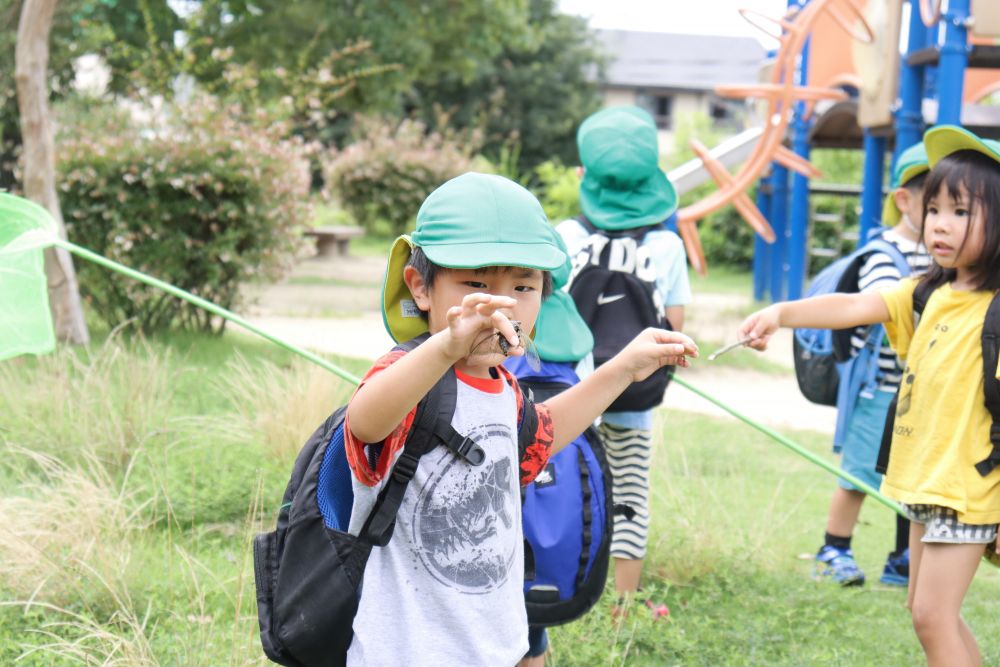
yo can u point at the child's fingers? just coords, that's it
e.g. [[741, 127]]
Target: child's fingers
[[472, 302], [672, 351], [503, 324], [687, 346]]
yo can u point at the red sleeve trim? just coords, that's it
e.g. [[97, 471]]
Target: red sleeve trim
[[489, 385], [536, 455], [357, 457]]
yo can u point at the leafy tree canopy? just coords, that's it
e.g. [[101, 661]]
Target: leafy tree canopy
[[532, 96]]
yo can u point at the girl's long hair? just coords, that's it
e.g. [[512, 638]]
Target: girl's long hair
[[979, 177]]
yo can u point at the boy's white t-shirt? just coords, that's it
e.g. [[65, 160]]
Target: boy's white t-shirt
[[448, 588]]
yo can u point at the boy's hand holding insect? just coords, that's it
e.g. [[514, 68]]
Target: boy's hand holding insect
[[479, 317]]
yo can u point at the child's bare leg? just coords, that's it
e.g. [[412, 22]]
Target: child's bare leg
[[916, 553], [844, 510], [944, 575]]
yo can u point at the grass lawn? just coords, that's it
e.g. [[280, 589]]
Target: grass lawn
[[722, 280], [134, 474]]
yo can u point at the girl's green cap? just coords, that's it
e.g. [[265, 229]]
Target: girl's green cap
[[943, 140], [470, 222], [623, 186], [911, 163]]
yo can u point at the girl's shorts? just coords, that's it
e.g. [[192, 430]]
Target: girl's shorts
[[941, 524]]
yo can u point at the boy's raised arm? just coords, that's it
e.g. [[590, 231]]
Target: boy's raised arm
[[573, 410], [381, 403], [830, 311]]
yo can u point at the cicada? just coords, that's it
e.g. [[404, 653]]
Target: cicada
[[530, 350], [497, 342]]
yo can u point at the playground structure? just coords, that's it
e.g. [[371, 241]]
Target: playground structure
[[862, 93]]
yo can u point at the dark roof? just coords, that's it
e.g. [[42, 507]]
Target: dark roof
[[688, 62]]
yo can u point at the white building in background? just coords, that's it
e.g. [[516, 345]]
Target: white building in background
[[672, 74]]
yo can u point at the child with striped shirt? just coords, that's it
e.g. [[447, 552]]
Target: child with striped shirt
[[859, 447]]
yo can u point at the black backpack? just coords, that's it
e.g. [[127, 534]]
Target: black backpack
[[309, 570], [567, 514], [991, 386], [614, 287]]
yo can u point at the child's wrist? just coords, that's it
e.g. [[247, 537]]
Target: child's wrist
[[446, 347]]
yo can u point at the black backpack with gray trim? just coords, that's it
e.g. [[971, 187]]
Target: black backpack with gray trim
[[308, 571], [613, 284]]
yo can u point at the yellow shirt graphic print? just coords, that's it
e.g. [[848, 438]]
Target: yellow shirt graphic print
[[942, 427]]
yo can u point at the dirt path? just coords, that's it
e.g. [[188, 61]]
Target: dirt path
[[332, 306]]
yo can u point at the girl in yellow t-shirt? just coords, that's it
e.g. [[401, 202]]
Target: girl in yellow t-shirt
[[942, 426]]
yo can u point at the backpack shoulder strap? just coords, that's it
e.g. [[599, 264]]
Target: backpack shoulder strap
[[991, 386], [921, 295], [431, 427]]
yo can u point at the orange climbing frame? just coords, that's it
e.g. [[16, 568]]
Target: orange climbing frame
[[781, 94]]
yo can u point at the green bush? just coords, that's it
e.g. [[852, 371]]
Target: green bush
[[384, 176], [727, 239], [201, 201], [558, 190]]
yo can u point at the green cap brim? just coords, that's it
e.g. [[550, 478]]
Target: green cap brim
[[562, 335], [543, 256], [944, 140], [403, 320], [648, 203], [891, 214]]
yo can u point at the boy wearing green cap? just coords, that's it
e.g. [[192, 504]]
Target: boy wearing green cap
[[447, 589], [903, 211], [626, 200]]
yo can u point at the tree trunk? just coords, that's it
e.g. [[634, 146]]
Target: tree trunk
[[31, 60]]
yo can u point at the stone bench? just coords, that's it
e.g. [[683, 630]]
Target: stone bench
[[332, 241]]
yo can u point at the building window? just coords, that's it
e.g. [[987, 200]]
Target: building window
[[660, 107], [725, 114]]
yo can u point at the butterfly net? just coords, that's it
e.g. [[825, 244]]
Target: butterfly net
[[26, 229]]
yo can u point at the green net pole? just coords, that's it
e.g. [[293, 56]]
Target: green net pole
[[202, 303], [798, 449], [336, 370]]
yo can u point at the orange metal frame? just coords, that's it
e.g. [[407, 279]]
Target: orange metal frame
[[781, 95]]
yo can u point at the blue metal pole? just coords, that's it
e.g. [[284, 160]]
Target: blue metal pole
[[779, 222], [931, 71], [909, 116], [761, 248], [871, 186], [797, 230], [952, 63]]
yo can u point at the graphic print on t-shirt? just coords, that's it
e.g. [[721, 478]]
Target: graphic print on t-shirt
[[909, 376], [465, 520]]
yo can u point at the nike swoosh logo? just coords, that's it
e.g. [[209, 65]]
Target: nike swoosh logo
[[603, 300]]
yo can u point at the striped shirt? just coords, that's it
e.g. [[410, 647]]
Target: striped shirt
[[878, 273]]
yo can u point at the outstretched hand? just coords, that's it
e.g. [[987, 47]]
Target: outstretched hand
[[656, 348], [760, 326], [479, 316]]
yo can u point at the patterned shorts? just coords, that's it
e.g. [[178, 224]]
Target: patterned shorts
[[941, 524], [628, 451]]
